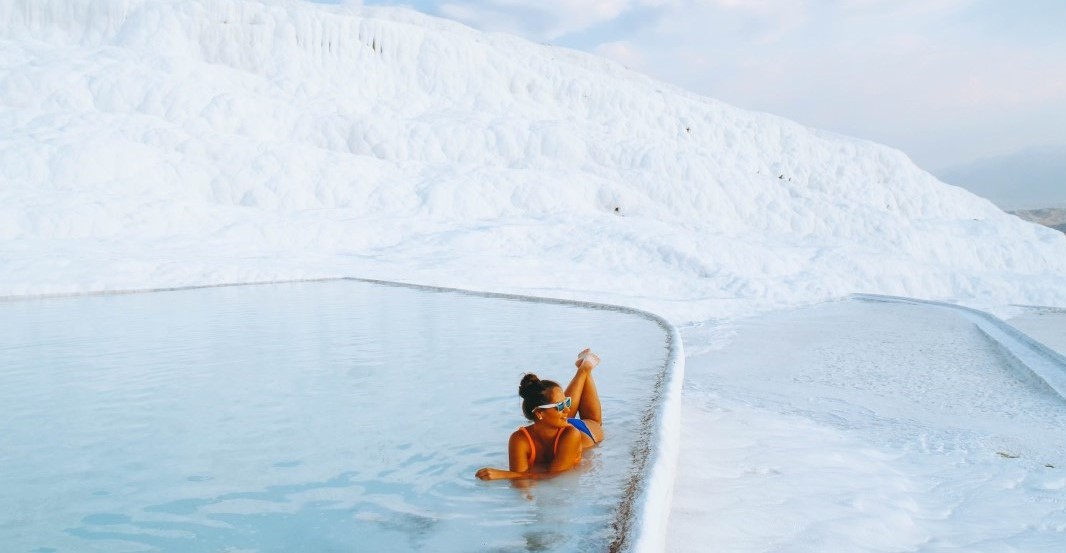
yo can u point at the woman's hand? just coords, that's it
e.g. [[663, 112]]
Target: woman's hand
[[490, 474]]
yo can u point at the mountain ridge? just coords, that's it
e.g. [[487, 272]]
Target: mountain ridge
[[1049, 217]]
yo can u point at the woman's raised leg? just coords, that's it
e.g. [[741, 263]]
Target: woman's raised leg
[[583, 393]]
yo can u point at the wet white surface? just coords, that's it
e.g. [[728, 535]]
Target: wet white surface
[[1045, 325], [857, 426]]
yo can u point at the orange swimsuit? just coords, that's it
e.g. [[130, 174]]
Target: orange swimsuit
[[533, 446]]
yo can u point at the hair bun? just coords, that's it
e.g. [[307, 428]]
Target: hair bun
[[530, 384]]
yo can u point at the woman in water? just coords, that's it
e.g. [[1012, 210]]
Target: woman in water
[[554, 442]]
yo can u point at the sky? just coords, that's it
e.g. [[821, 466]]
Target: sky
[[949, 82]]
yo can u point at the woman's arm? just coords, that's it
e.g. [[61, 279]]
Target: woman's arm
[[488, 473], [518, 452]]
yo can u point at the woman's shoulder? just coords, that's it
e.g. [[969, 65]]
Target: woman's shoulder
[[520, 441], [520, 433]]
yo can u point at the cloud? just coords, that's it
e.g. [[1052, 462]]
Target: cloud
[[927, 76]]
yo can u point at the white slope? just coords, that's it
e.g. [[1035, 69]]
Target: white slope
[[173, 142]]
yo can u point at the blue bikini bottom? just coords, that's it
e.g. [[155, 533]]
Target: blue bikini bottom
[[580, 425]]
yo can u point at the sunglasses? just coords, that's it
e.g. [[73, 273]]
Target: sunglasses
[[564, 404]]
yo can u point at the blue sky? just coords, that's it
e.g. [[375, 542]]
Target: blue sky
[[946, 81]]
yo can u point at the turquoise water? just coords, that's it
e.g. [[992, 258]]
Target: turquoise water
[[333, 416]]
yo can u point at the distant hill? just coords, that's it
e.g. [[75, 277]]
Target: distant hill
[[1028, 179], [1049, 217]]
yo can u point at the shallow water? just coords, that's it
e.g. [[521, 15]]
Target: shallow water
[[337, 416]]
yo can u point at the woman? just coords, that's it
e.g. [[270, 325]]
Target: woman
[[554, 442]]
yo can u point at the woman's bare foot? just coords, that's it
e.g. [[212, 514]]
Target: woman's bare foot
[[587, 360]]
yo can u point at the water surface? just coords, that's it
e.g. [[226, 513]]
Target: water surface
[[336, 416]]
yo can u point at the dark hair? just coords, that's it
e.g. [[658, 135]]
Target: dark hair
[[534, 392]]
